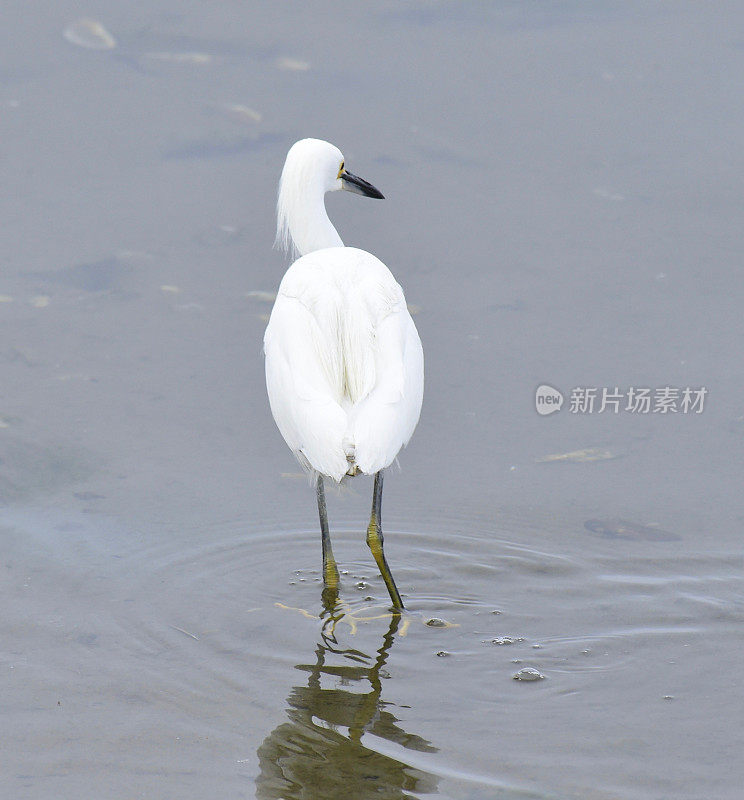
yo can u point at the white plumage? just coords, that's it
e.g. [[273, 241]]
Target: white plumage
[[344, 363]]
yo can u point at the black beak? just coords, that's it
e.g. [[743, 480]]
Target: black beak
[[359, 186]]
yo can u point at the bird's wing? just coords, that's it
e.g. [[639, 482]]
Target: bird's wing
[[384, 421], [302, 381], [344, 364]]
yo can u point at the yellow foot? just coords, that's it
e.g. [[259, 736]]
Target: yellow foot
[[374, 542], [342, 612], [331, 578]]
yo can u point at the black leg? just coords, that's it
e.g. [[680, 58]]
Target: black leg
[[330, 570], [375, 542]]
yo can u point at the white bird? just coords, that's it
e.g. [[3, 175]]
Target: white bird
[[344, 363]]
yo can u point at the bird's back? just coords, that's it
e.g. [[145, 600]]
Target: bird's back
[[344, 365]]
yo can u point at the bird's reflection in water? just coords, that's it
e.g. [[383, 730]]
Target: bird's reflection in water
[[319, 752]]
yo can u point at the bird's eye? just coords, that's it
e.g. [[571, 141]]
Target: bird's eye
[[341, 169]]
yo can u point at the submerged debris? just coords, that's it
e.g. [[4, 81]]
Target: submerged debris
[[292, 64], [89, 33], [263, 296], [188, 633], [109, 274], [181, 58], [240, 113], [579, 456], [624, 529]]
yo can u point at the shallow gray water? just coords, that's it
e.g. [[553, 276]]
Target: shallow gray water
[[563, 186]]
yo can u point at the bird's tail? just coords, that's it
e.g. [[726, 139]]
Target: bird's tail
[[350, 450]]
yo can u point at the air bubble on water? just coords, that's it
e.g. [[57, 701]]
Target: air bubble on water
[[528, 674]]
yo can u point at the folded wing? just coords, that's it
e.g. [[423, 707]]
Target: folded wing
[[302, 385], [344, 364]]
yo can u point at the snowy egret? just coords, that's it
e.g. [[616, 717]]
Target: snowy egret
[[344, 364]]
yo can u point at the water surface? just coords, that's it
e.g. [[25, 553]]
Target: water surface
[[563, 207]]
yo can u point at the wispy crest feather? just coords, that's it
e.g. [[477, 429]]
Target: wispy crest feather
[[290, 191], [311, 170]]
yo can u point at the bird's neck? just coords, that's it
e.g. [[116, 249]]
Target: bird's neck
[[309, 225]]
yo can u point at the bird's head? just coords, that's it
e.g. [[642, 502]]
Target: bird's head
[[313, 167], [313, 162]]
